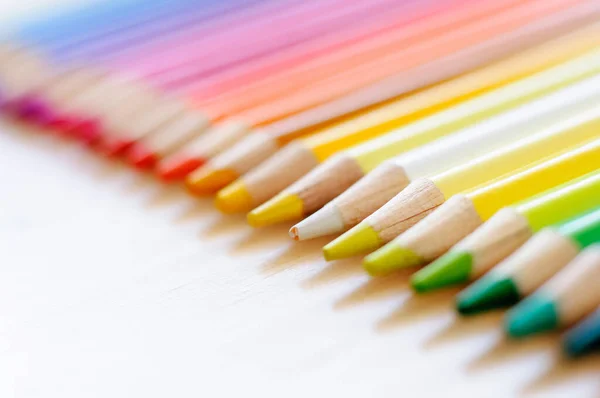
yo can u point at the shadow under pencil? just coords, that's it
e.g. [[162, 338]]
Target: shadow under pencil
[[418, 306]]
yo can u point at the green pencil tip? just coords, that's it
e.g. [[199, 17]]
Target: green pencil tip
[[534, 315], [390, 258], [450, 269], [490, 292], [359, 240]]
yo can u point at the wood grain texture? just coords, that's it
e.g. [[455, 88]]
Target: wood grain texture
[[538, 260], [278, 172], [576, 287], [496, 239], [326, 181], [441, 228], [247, 153], [370, 193], [414, 203]]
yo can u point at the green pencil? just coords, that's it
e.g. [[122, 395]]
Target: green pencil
[[532, 265], [564, 300]]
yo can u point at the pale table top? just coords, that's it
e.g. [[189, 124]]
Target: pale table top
[[113, 285]]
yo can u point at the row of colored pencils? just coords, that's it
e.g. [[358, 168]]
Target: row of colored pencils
[[458, 135]]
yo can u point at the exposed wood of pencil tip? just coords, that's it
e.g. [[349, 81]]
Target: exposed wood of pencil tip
[[405, 209], [326, 182], [537, 260], [246, 154], [441, 227], [132, 101], [370, 193], [576, 287], [151, 120], [496, 239], [279, 171], [166, 137], [192, 124], [218, 138], [64, 89]]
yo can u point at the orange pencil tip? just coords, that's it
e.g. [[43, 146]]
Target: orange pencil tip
[[177, 169], [207, 181]]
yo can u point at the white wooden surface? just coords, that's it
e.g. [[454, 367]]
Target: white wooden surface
[[112, 285]]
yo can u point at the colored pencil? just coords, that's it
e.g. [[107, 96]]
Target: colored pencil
[[423, 199], [584, 338], [338, 173], [531, 265], [390, 178], [565, 299], [507, 230]]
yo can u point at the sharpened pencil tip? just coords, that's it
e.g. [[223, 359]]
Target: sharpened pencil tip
[[451, 269], [113, 147], [490, 292], [359, 240], [208, 181], [234, 198], [283, 207], [390, 258], [141, 157], [536, 314], [178, 168], [88, 131]]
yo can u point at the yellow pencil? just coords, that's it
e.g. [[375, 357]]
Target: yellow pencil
[[341, 171]]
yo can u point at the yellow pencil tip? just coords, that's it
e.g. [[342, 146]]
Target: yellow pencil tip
[[359, 240], [234, 198], [283, 207], [390, 258], [207, 181]]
